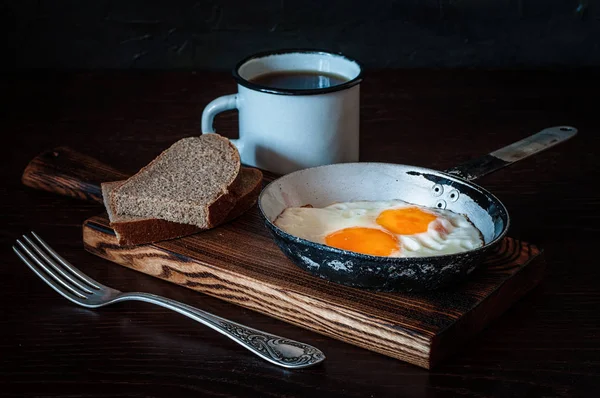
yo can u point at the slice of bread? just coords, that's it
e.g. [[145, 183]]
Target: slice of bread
[[131, 230], [245, 192], [189, 183]]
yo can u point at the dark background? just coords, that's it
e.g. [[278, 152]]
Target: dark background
[[546, 345], [386, 33]]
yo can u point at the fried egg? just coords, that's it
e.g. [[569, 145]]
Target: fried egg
[[383, 228]]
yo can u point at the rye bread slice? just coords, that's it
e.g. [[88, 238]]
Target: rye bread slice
[[131, 230], [189, 183]]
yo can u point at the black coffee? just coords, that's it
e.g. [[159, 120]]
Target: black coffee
[[299, 80]]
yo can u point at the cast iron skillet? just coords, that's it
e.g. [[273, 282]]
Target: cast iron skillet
[[452, 190]]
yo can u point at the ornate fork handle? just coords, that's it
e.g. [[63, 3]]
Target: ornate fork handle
[[275, 349]]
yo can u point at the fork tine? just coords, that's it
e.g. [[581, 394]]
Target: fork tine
[[59, 289], [49, 271], [57, 268], [67, 264]]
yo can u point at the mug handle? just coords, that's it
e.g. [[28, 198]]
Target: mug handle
[[216, 106]]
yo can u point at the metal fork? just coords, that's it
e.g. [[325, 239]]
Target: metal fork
[[73, 284]]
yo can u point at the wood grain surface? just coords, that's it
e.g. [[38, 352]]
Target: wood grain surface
[[545, 345], [238, 262], [67, 172]]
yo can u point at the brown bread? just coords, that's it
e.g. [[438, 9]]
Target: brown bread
[[189, 183], [132, 230]]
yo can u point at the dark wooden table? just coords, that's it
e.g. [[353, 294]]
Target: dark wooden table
[[546, 345]]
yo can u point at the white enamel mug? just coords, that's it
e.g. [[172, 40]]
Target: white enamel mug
[[284, 130]]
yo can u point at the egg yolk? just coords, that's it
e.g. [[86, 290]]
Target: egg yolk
[[363, 240], [405, 221]]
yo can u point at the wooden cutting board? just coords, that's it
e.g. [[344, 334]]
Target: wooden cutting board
[[239, 263]]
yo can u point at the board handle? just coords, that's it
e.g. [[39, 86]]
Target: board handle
[[512, 153], [67, 172]]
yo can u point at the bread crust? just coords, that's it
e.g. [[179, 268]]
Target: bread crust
[[149, 230], [247, 200], [218, 210]]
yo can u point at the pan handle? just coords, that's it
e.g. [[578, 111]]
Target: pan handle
[[512, 153]]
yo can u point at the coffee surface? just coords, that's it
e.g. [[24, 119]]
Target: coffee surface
[[298, 80]]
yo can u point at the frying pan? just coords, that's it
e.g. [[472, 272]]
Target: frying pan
[[451, 190]]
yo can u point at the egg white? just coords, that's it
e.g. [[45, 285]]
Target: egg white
[[314, 224]]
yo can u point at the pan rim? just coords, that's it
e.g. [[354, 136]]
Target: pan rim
[[383, 259]]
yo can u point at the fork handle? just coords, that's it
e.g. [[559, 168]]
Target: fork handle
[[275, 349]]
